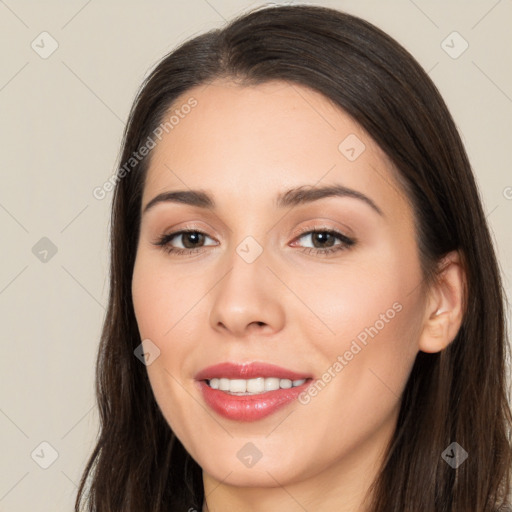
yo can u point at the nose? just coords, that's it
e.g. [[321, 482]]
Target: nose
[[249, 299]]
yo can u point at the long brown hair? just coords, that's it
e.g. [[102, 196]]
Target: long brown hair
[[459, 394]]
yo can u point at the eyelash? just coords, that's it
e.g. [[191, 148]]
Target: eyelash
[[164, 242]]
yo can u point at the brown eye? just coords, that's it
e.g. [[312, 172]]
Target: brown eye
[[324, 241], [191, 241]]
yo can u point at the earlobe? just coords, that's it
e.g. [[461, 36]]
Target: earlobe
[[445, 306]]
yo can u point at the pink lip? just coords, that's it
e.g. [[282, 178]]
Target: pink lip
[[249, 407], [248, 371]]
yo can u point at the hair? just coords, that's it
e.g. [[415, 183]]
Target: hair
[[458, 394]]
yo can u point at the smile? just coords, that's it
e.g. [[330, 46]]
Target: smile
[[249, 392]]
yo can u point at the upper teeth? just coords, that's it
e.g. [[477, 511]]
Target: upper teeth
[[257, 385]]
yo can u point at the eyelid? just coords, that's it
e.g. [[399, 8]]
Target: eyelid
[[323, 226], [176, 233]]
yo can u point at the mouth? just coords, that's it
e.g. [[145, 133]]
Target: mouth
[[249, 392]]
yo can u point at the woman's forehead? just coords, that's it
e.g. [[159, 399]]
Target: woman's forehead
[[265, 138]]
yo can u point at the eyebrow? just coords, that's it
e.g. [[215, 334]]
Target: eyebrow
[[293, 197]]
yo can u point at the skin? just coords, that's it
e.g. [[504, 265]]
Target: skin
[[245, 145]]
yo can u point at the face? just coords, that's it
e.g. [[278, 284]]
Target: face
[[314, 291]]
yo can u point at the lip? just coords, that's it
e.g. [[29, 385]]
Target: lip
[[248, 371], [249, 407]]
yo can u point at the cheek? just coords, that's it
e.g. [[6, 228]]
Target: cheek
[[364, 366], [346, 303], [161, 298], [167, 309], [370, 322]]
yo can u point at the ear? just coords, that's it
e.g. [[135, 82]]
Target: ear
[[445, 305]]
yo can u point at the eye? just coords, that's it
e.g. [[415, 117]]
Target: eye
[[324, 241], [191, 239]]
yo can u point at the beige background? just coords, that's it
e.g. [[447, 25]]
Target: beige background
[[61, 124]]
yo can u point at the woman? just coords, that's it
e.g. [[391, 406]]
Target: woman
[[240, 369]]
